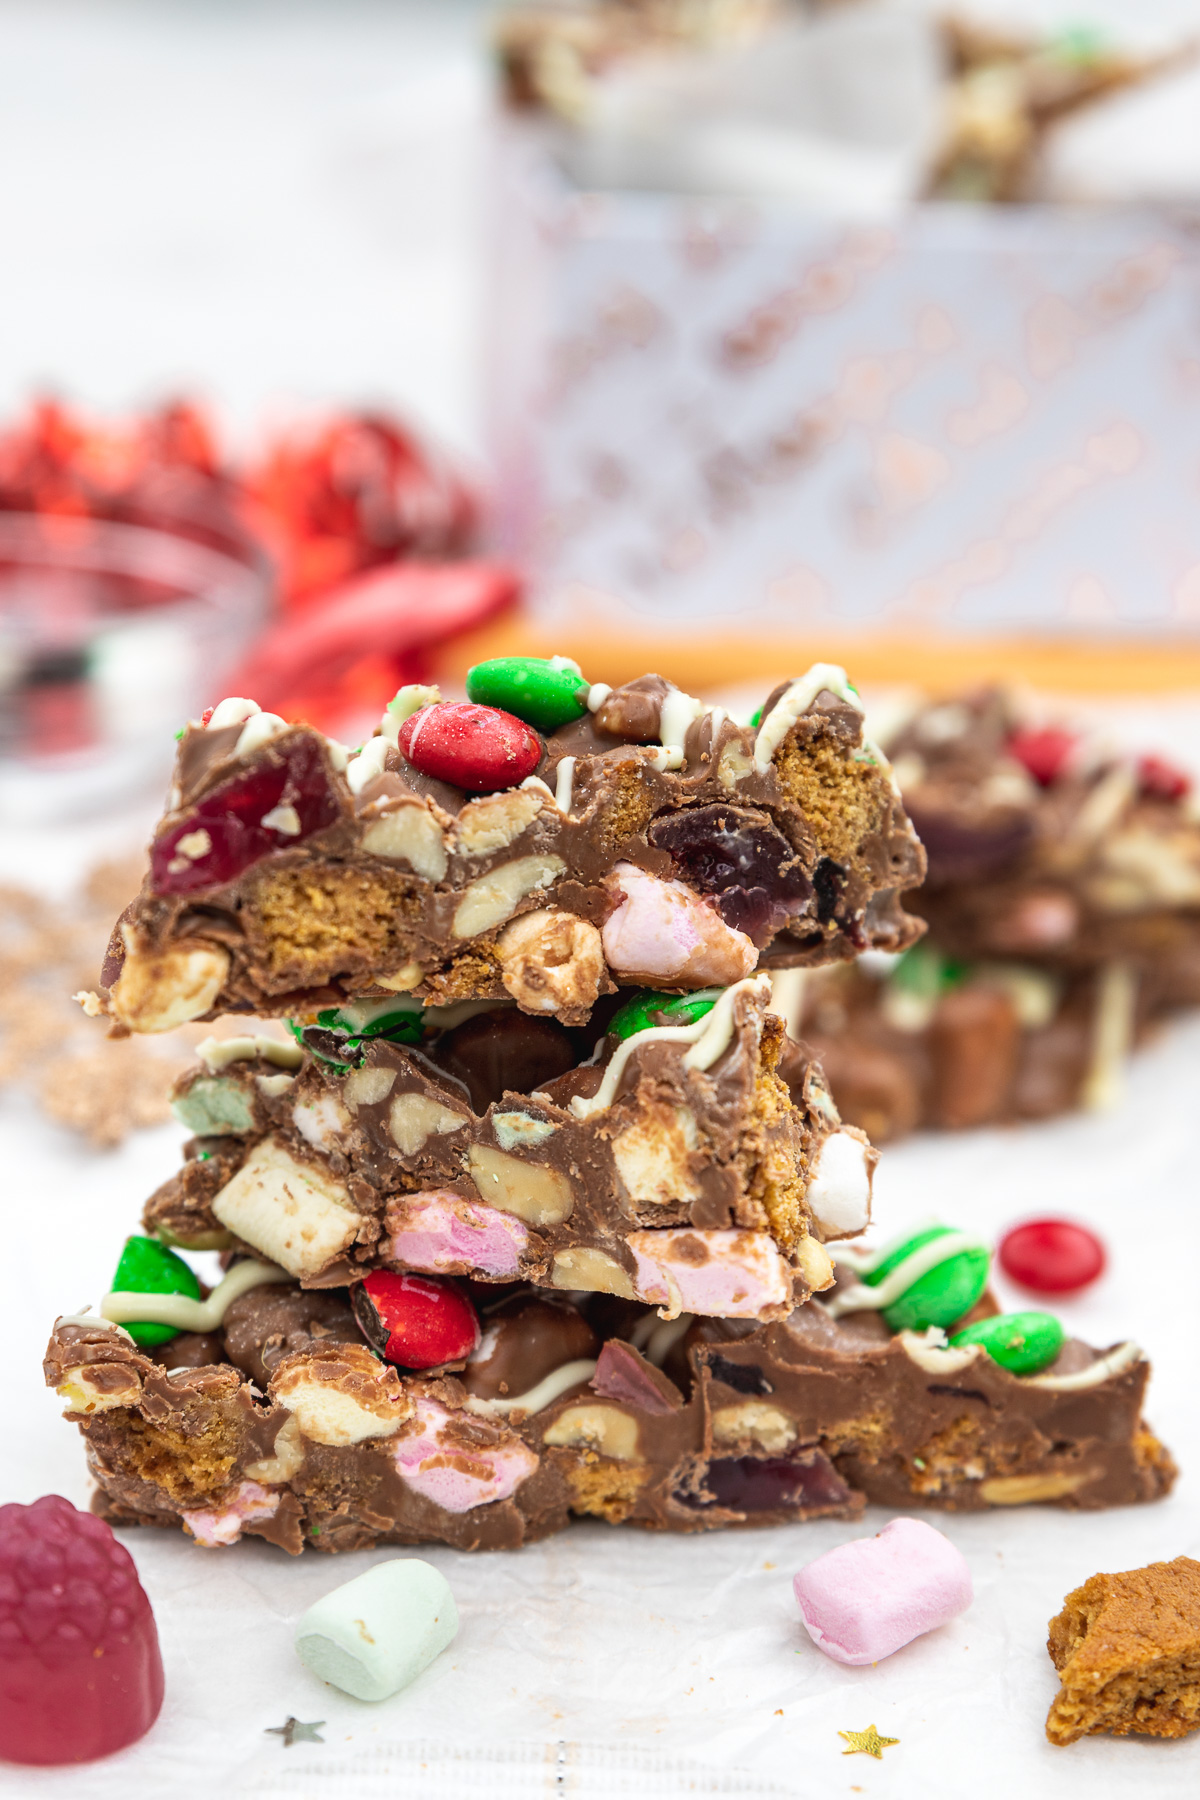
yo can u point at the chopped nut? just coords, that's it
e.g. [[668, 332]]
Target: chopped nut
[[414, 1118], [536, 1194], [341, 1395], [756, 1422], [592, 1272], [492, 823], [160, 989], [367, 1087], [550, 961], [286, 1457], [403, 980], [410, 834], [296, 1213], [98, 1387], [734, 765], [603, 1428], [814, 1263], [1026, 1490], [322, 1121], [653, 1157], [495, 897]]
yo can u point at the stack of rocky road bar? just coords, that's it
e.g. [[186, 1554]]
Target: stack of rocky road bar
[[1063, 904], [535, 1209]]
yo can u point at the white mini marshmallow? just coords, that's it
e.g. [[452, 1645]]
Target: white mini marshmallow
[[839, 1193], [376, 1634]]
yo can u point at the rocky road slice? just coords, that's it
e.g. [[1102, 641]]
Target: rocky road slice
[[669, 1163], [634, 837]]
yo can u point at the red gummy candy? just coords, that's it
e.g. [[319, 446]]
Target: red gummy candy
[[1052, 1256], [414, 1320], [231, 817], [80, 1670], [475, 747], [1160, 780], [1044, 752]]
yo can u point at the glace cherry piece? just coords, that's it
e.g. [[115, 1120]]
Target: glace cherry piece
[[1052, 1256], [478, 748], [80, 1670], [225, 832], [1043, 752], [1160, 780], [415, 1321]]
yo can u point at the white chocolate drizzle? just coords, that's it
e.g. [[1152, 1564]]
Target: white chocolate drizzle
[[677, 714], [369, 763], [536, 785], [1112, 1036], [665, 1336], [92, 1322], [795, 700], [931, 1352], [1115, 1363], [709, 1038], [597, 694], [259, 730], [564, 784], [180, 1310], [565, 665], [858, 1297], [403, 705], [232, 712], [547, 1389]]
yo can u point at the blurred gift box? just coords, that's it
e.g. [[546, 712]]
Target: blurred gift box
[[764, 388]]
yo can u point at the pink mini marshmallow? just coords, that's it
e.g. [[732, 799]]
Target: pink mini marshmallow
[[218, 1525], [441, 1233], [451, 1476], [663, 929], [722, 1274], [867, 1599]]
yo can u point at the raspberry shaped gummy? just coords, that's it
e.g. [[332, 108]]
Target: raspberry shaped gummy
[[80, 1669]]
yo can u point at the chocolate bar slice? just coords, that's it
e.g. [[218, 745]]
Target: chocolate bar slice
[[649, 840], [667, 1163], [280, 1423]]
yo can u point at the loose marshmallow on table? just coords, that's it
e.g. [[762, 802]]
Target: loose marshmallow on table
[[375, 1634], [867, 1599]]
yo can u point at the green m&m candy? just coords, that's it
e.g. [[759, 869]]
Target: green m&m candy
[[545, 693], [148, 1267], [641, 1012], [942, 1293], [1022, 1342]]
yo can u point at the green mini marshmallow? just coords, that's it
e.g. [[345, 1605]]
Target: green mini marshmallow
[[1022, 1342], [376, 1634], [215, 1106], [638, 1013], [148, 1267], [546, 694], [940, 1296]]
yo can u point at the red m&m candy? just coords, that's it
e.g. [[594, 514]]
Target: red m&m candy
[[1043, 752], [478, 748], [415, 1320], [1052, 1256]]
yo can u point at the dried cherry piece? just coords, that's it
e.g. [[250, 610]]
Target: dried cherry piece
[[741, 859], [504, 1050], [751, 1484], [743, 1378], [416, 1321], [80, 1669], [224, 833], [1160, 780]]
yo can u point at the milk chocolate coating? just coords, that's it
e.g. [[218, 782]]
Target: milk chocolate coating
[[745, 1424], [269, 1323], [312, 917]]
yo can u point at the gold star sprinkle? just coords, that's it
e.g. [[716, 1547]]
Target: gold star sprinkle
[[295, 1731], [868, 1742]]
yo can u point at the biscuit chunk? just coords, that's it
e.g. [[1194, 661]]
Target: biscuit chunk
[[1127, 1648]]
